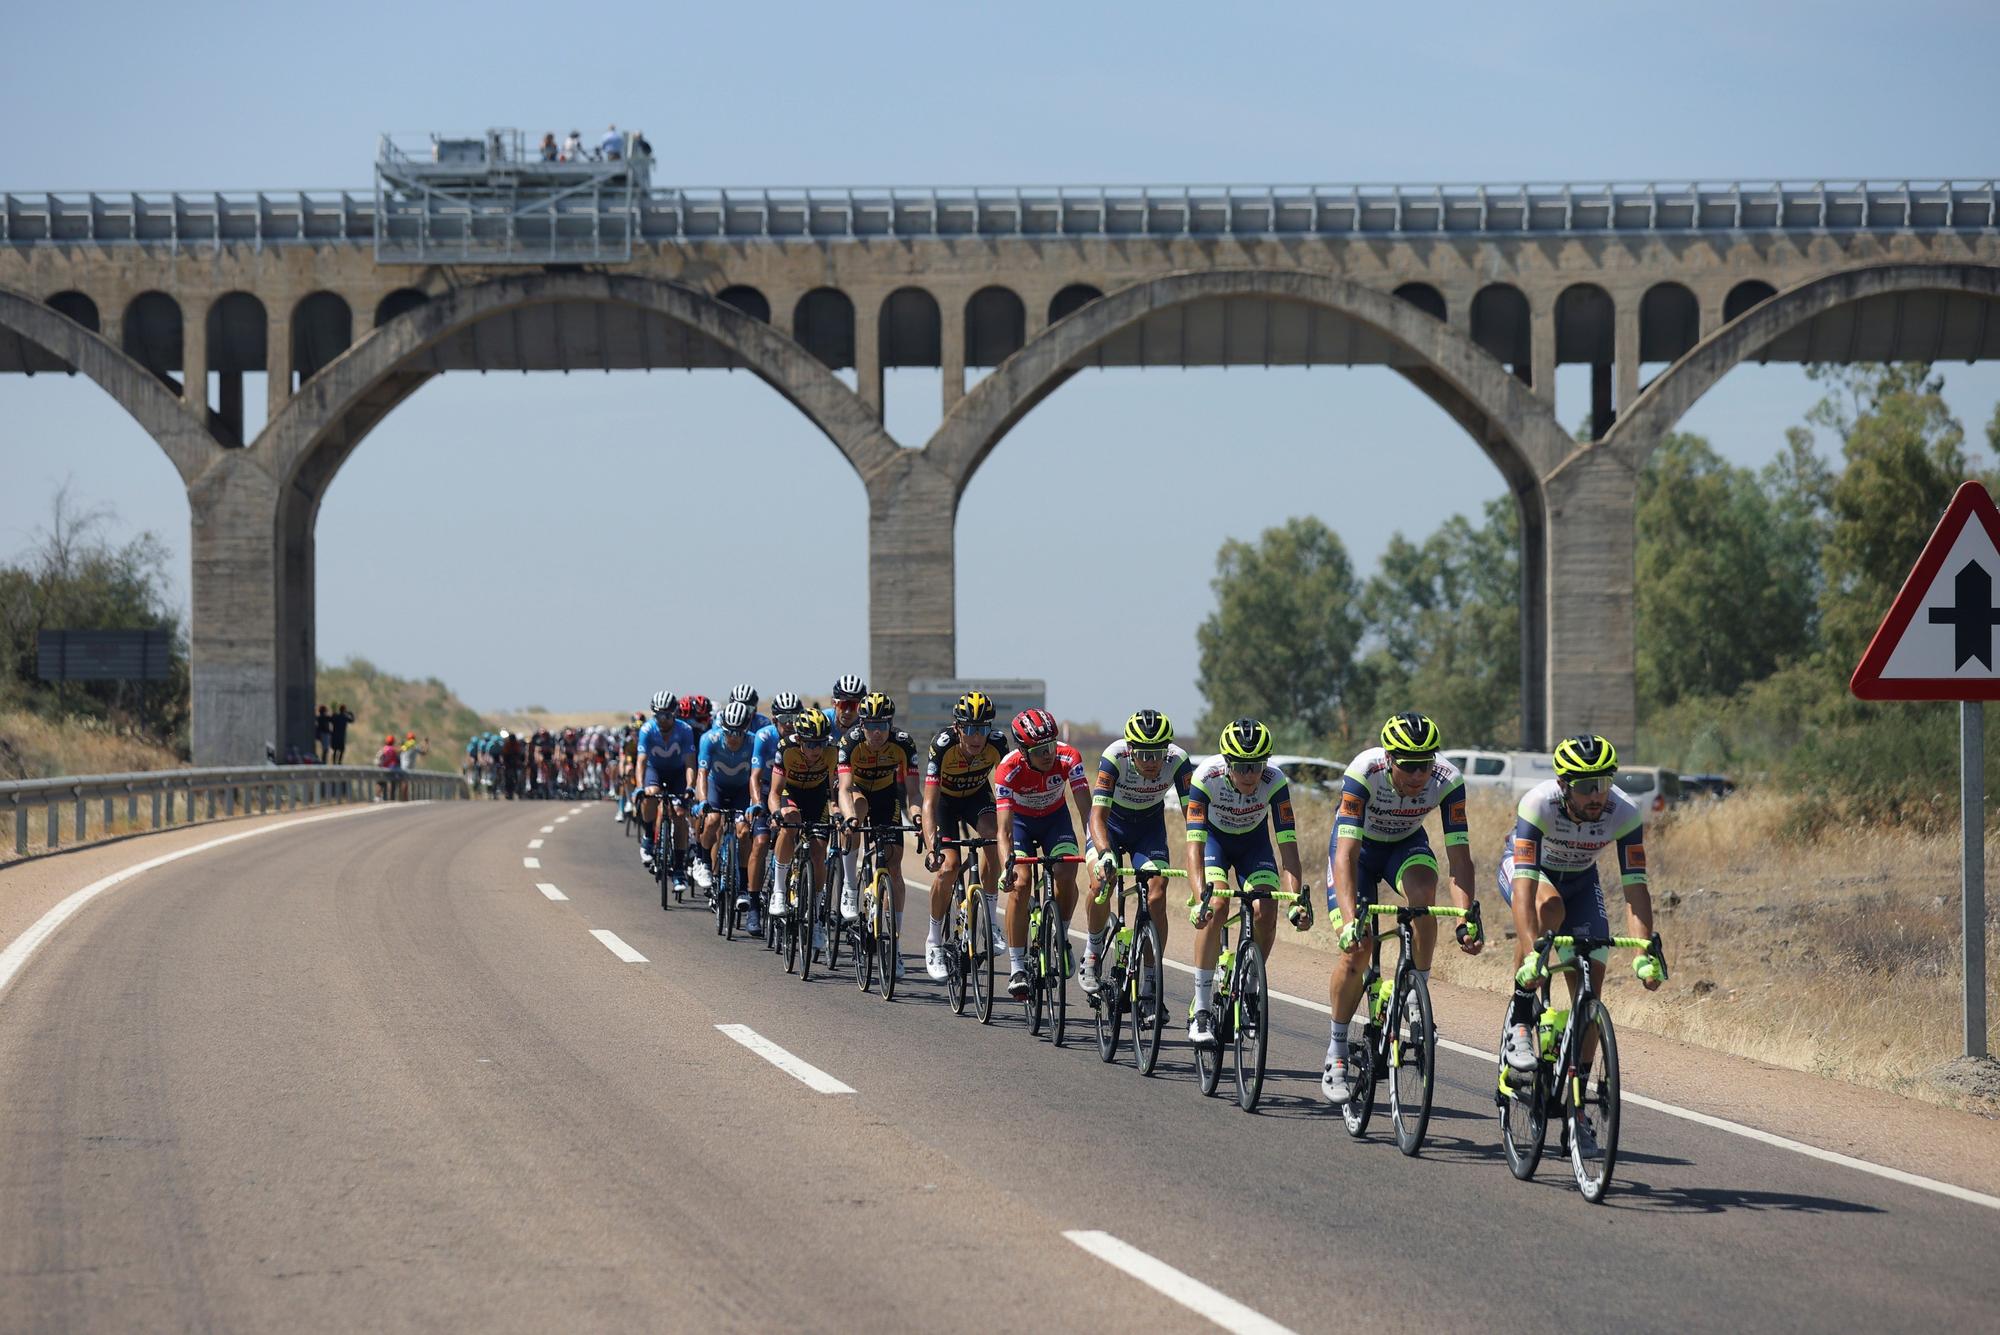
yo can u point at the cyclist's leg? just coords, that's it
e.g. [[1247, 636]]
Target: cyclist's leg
[[1415, 875], [1059, 840], [1584, 915], [1350, 967], [1020, 886], [946, 876], [885, 808]]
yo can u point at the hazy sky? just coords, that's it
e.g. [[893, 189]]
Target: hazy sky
[[250, 96]]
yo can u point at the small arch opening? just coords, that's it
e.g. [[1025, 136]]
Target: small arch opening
[[823, 324], [236, 330], [1424, 297], [1071, 300], [911, 331], [402, 300], [748, 300], [322, 329], [1744, 295], [151, 335], [78, 307], [996, 326], [1669, 325], [1586, 332], [1501, 325]]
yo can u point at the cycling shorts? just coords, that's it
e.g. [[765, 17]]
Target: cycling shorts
[[1382, 861], [722, 797], [671, 780], [1140, 835], [960, 816], [1582, 896], [810, 803], [1247, 854], [885, 807], [1049, 834]]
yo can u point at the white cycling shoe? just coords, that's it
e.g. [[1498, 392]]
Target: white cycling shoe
[[934, 963], [1201, 1029], [1336, 1081], [850, 903], [1520, 1049], [777, 906], [702, 876]]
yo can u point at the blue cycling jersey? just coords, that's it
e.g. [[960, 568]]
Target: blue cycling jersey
[[661, 748], [725, 767], [764, 747]]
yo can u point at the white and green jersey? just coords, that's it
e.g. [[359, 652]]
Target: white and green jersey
[[1119, 782], [1549, 841], [1371, 808]]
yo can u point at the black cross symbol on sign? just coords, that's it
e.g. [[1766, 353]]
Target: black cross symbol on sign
[[1972, 616]]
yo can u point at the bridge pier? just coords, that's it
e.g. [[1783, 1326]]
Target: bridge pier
[[233, 507], [1588, 572], [912, 572]]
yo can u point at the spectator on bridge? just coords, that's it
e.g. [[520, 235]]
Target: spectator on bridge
[[640, 148], [342, 716], [550, 152], [613, 144], [572, 149], [322, 734]]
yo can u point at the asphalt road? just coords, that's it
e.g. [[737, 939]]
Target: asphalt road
[[364, 1074]]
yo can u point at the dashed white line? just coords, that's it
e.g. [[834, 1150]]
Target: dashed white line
[[1184, 1289], [534, 843], [561, 819], [576, 811], [550, 891], [548, 829], [618, 947], [532, 864], [803, 1071]]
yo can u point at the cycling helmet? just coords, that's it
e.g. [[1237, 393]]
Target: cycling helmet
[[744, 693], [1034, 727], [784, 704], [1246, 739], [1411, 735], [695, 706], [878, 707], [809, 727], [664, 702], [849, 687], [1149, 728], [1583, 756], [973, 708], [736, 715]]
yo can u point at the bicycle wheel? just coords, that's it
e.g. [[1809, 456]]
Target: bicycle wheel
[[887, 947], [958, 960], [979, 941], [662, 860], [1037, 996], [808, 911], [1412, 1062], [1108, 1007], [795, 921], [1055, 951], [1250, 1020], [1593, 1176], [731, 874], [1524, 1119], [720, 904], [1146, 993], [829, 905], [1208, 1060], [864, 943]]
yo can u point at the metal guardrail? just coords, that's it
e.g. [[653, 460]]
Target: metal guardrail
[[319, 217], [227, 792]]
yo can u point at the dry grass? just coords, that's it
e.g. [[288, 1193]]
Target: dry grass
[[33, 747], [1840, 956]]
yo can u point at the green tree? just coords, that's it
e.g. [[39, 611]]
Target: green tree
[[1447, 613], [1280, 644], [1726, 585]]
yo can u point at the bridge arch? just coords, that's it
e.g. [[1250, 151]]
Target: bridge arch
[[152, 403], [1755, 327]]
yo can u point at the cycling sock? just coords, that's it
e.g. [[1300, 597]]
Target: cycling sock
[[784, 871], [936, 935], [1339, 1041], [899, 922], [1524, 1008], [1424, 974], [1017, 958], [1094, 947], [1204, 989]]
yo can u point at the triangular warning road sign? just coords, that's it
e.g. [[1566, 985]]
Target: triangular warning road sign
[[1941, 639]]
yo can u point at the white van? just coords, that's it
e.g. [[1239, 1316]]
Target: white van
[[1514, 771]]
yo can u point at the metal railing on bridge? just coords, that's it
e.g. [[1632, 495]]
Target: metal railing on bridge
[[261, 218], [178, 796]]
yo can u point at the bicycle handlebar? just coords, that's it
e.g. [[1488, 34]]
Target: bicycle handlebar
[[1043, 860], [1122, 873], [943, 842], [1586, 945], [1199, 911]]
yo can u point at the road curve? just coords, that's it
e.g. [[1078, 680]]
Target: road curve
[[365, 1074]]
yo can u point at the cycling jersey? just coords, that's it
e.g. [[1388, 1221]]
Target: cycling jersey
[[764, 746], [959, 774], [666, 748], [1119, 782], [1548, 841], [796, 771], [1214, 804], [1371, 808], [1019, 786], [725, 767], [834, 727], [872, 767]]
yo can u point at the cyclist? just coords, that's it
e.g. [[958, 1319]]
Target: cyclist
[[1128, 814], [1548, 876], [878, 781], [1028, 788], [1231, 800], [801, 785], [513, 758], [747, 694], [628, 762], [722, 791], [545, 763], [667, 747], [698, 713], [848, 693], [1378, 836], [768, 740], [958, 798]]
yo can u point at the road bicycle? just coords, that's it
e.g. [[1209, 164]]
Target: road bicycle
[[669, 859], [874, 928], [1242, 1005], [968, 933], [1049, 959], [1557, 1088], [809, 925], [1399, 1040], [731, 884], [1132, 976]]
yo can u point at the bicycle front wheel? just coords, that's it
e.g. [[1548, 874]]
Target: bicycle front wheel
[[1412, 1054], [1055, 956], [886, 946], [1253, 1034], [809, 908], [1146, 990], [1108, 1008], [864, 941], [1524, 1118], [1599, 1103], [795, 922], [979, 942], [958, 961]]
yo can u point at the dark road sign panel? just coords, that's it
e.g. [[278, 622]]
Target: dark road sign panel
[[103, 655]]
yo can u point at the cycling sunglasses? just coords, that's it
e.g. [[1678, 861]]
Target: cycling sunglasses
[[1042, 752], [1246, 767], [1413, 766], [1147, 756], [1590, 787]]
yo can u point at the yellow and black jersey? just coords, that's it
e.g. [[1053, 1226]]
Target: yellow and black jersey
[[874, 768], [959, 773], [804, 772]]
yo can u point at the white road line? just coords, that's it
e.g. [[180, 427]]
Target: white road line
[[561, 819], [618, 947], [534, 843], [532, 864], [21, 947], [803, 1071], [550, 891], [1184, 1289], [1965, 1194], [576, 811], [548, 829]]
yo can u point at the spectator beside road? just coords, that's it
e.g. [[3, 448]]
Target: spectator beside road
[[322, 734], [390, 761], [413, 751], [340, 718]]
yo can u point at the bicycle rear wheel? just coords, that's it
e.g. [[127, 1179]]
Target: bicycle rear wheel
[[1055, 955], [1524, 1118], [1108, 1006], [808, 911], [795, 921], [979, 941], [1147, 993], [1593, 1176], [829, 905], [1250, 1017], [958, 958], [864, 942], [887, 947], [1412, 1077], [731, 874]]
